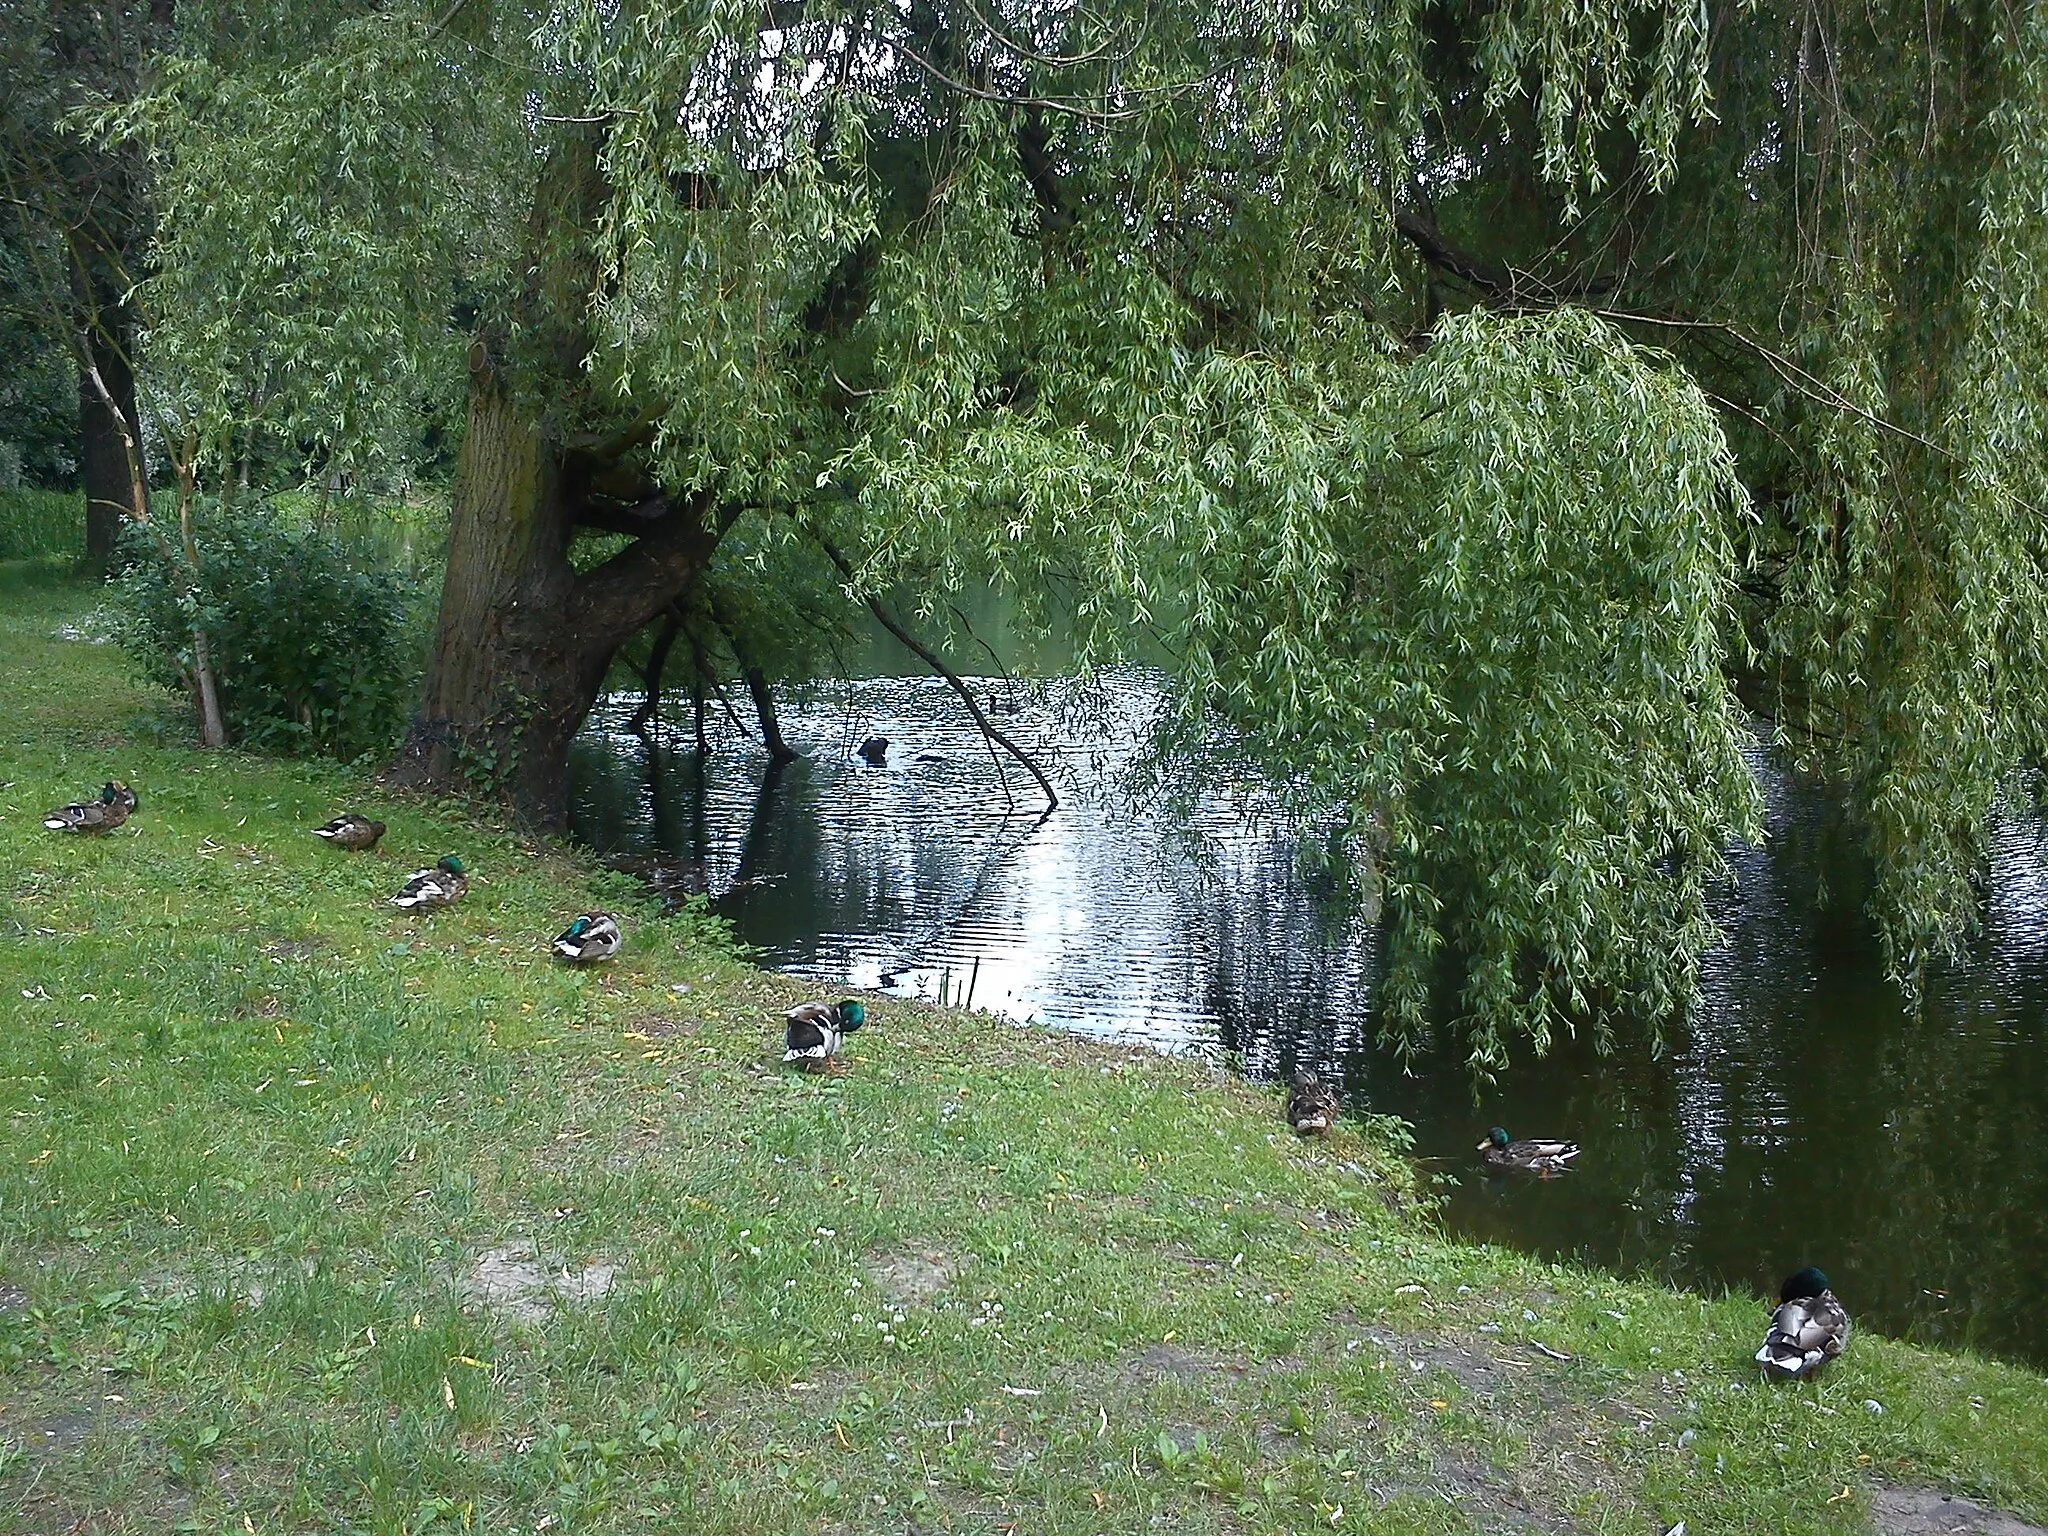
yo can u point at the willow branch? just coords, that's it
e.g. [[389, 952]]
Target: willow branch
[[925, 654]]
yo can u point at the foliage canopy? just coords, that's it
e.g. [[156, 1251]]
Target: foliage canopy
[[1473, 395]]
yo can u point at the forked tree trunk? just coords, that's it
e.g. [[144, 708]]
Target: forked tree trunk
[[523, 640]]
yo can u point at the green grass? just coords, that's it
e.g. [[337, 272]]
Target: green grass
[[264, 1134], [36, 523]]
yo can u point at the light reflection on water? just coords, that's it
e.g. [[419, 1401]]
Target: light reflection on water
[[1801, 1115]]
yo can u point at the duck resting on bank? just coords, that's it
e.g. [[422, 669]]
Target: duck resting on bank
[[441, 886], [356, 833], [1542, 1158], [815, 1033], [1311, 1107], [594, 936], [115, 805], [1809, 1328]]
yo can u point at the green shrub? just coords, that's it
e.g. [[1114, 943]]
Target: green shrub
[[34, 523], [315, 644]]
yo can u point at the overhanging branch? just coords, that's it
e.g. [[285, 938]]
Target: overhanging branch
[[925, 654]]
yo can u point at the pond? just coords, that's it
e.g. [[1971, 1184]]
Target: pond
[[1802, 1114]]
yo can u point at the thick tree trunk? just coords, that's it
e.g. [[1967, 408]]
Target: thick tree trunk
[[103, 444], [524, 641]]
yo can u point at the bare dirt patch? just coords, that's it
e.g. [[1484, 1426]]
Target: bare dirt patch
[[909, 1276], [1930, 1512], [511, 1279], [1166, 1362], [296, 949], [64, 1431], [655, 1026]]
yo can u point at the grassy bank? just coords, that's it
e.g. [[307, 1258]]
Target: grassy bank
[[316, 1216]]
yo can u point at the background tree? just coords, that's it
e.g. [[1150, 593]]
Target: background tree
[[1324, 341], [79, 221], [38, 395]]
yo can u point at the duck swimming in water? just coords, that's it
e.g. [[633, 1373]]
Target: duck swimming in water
[[1542, 1158]]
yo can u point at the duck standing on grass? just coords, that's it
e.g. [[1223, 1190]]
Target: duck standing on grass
[[1808, 1330], [115, 805], [1542, 1158], [592, 937], [441, 886], [1311, 1107], [356, 833], [815, 1033]]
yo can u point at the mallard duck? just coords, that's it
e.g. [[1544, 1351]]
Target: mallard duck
[[875, 750], [592, 937], [356, 833], [1542, 1158], [816, 1031], [440, 886], [1808, 1330], [1311, 1107], [115, 805]]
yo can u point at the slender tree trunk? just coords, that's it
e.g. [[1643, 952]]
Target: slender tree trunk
[[779, 751], [650, 677], [104, 436], [213, 730], [953, 680], [699, 672]]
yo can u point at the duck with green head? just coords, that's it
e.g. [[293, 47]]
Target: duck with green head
[[814, 1033], [441, 886], [1536, 1155], [116, 803], [594, 936], [1808, 1329]]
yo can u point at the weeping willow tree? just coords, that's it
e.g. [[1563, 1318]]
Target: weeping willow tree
[[1471, 399]]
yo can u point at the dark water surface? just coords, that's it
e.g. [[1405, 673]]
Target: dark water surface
[[1802, 1115]]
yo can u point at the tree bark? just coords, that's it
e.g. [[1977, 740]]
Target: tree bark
[[103, 455], [650, 676], [779, 751], [213, 730], [524, 641], [109, 424]]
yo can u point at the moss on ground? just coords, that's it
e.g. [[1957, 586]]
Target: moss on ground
[[319, 1216]]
